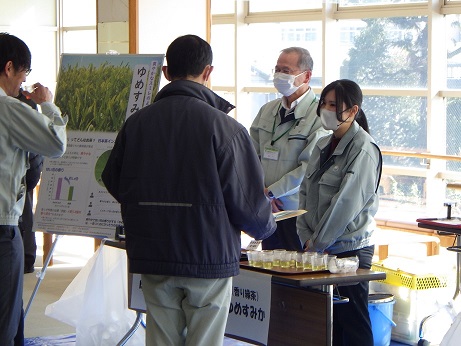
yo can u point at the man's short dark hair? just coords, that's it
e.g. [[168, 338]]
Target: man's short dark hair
[[187, 56], [15, 50]]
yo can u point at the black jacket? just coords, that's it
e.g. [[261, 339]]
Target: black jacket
[[188, 180], [33, 175]]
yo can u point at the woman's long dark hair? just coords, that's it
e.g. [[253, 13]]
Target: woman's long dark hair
[[349, 93]]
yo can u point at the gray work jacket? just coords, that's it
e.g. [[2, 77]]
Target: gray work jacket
[[24, 130], [294, 142], [340, 195]]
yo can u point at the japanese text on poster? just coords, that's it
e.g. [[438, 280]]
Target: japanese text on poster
[[72, 197], [249, 311]]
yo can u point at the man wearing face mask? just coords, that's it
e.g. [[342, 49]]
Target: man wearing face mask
[[284, 134]]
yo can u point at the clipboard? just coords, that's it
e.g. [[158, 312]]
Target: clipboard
[[286, 214], [278, 216]]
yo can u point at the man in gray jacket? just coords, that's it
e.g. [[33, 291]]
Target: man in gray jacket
[[189, 181], [284, 134], [22, 130]]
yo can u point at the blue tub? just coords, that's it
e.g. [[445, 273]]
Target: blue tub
[[380, 308]]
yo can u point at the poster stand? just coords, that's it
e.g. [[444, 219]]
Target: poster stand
[[73, 199], [97, 93], [41, 274], [133, 329]]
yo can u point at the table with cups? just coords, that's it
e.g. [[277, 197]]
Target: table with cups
[[303, 292]]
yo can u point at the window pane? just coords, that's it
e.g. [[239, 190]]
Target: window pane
[[350, 3], [257, 100], [273, 37], [398, 123], [78, 13], [453, 194], [79, 41], [453, 131], [397, 191], [28, 14], [277, 5], [385, 52], [222, 43], [42, 46], [453, 29]]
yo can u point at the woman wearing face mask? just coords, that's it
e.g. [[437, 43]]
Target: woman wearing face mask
[[339, 192]]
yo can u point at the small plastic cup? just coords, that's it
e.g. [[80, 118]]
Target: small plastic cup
[[318, 262], [278, 256], [307, 260], [329, 258], [28, 88], [267, 258], [299, 260], [293, 259], [285, 259], [257, 259], [250, 257]]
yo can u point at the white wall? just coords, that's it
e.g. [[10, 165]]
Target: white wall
[[161, 21], [34, 22]]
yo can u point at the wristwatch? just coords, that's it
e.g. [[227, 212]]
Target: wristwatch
[[271, 195]]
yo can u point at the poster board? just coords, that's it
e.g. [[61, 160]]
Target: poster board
[[97, 93]]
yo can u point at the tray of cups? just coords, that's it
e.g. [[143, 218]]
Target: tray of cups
[[285, 262]]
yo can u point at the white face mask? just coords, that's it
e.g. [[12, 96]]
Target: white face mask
[[284, 83], [329, 120]]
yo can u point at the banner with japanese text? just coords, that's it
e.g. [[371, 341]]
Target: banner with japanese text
[[97, 92], [250, 308]]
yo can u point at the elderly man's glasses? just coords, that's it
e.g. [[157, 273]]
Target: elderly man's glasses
[[284, 70]]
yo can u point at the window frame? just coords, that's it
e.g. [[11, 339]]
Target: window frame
[[435, 92]]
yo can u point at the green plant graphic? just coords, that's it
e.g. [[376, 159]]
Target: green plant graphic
[[95, 98]]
